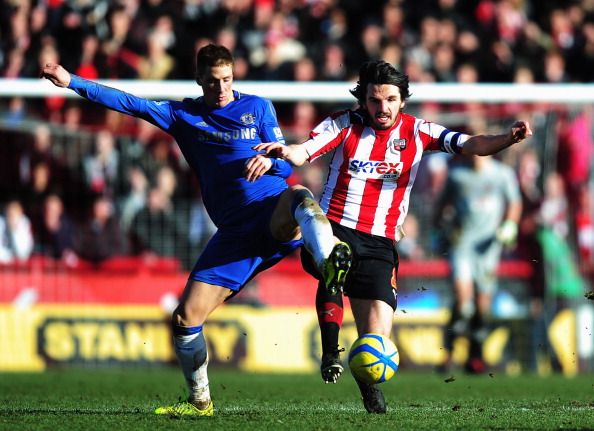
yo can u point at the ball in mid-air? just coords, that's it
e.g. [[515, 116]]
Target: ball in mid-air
[[373, 358]]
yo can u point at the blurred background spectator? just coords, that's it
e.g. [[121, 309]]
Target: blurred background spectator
[[54, 233], [98, 236], [156, 230], [16, 235]]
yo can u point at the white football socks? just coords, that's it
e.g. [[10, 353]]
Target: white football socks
[[315, 229], [193, 357]]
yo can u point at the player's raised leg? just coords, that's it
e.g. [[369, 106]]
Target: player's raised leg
[[299, 211], [198, 301], [332, 257]]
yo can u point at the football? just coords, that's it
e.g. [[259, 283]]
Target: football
[[373, 358]]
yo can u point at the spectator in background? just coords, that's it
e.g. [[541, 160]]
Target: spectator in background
[[157, 64], [554, 211], [227, 36], [166, 181], [564, 283], [393, 21], [54, 236], [48, 52], [16, 236], [302, 120], [34, 194], [102, 168], [575, 152], [99, 236], [371, 41], [585, 56], [159, 154], [135, 200], [428, 189], [554, 68], [420, 54], [120, 25], [529, 249], [14, 64], [37, 152], [17, 111], [201, 227], [468, 47], [444, 63], [410, 247], [313, 177], [334, 63], [304, 69], [584, 220], [483, 205], [392, 53], [90, 64], [155, 230], [282, 48]]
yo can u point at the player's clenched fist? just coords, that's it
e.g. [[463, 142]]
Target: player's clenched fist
[[520, 130], [56, 74]]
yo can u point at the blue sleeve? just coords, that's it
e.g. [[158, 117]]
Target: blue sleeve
[[280, 168], [270, 131], [158, 113]]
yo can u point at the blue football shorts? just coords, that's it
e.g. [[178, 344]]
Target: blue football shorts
[[234, 256]]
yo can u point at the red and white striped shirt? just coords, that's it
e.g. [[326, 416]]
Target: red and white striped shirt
[[372, 172]]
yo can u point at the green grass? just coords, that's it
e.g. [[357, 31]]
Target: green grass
[[123, 399]]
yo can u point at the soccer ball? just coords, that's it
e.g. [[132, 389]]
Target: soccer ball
[[373, 358]]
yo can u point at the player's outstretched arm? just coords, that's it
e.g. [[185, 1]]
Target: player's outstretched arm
[[158, 113], [484, 145], [56, 74], [294, 154]]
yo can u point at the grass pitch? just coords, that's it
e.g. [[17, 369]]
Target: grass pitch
[[123, 399]]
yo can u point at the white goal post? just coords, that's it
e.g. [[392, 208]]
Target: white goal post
[[333, 92]]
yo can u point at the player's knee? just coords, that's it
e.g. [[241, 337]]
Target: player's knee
[[300, 194], [187, 315]]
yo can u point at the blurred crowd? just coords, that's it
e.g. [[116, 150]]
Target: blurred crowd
[[78, 182], [431, 40]]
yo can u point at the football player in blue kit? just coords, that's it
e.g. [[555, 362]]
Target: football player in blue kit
[[259, 218]]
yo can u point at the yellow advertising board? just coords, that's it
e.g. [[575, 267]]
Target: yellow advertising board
[[266, 339]]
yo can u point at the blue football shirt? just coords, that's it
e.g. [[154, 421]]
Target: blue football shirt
[[216, 143]]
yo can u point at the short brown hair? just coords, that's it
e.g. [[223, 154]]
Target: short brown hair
[[211, 56]]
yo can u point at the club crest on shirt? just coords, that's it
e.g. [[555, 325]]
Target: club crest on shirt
[[397, 144], [248, 118]]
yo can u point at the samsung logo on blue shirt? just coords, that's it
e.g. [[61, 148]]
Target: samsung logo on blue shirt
[[248, 133]]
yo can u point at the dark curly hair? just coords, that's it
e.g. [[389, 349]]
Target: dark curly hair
[[379, 72]]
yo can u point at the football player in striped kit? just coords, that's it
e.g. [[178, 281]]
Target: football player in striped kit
[[260, 219], [376, 150]]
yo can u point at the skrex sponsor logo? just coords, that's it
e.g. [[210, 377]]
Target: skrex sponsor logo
[[375, 169]]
